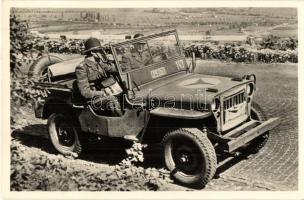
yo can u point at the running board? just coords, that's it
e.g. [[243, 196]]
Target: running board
[[251, 134]]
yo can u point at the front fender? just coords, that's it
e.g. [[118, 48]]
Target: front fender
[[180, 113]]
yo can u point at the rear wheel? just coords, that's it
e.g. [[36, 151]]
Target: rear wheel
[[190, 156], [64, 134]]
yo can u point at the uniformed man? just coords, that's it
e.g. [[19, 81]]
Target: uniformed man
[[90, 74], [137, 57]]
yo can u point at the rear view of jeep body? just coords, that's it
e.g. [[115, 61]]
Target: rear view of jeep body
[[194, 116]]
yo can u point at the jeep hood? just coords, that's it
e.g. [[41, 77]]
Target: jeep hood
[[190, 91]]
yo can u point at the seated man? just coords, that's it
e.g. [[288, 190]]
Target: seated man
[[136, 57], [90, 74]]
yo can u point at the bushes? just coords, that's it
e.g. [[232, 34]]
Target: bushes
[[241, 54], [22, 54], [274, 42], [271, 50], [39, 171], [70, 46]]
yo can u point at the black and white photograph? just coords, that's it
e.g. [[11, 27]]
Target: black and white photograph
[[157, 98]]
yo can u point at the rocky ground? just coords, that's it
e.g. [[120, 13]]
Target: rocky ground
[[275, 167]]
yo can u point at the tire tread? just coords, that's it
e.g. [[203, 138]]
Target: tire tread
[[207, 148]]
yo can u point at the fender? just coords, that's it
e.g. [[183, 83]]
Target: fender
[[180, 113], [45, 109]]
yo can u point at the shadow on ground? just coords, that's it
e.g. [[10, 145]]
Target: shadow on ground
[[108, 151]]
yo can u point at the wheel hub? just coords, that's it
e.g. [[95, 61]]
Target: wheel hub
[[184, 158], [65, 135]]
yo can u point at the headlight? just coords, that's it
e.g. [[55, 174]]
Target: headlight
[[252, 77], [215, 104], [250, 88]]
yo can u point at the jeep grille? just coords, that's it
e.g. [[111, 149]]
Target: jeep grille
[[234, 100]]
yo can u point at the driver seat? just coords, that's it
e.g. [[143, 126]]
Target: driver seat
[[79, 101]]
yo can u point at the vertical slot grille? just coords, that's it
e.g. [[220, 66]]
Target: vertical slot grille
[[234, 100]]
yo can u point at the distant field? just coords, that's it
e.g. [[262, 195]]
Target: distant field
[[87, 28], [189, 21]]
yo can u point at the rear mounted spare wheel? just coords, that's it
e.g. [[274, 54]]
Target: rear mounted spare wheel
[[189, 156], [38, 69]]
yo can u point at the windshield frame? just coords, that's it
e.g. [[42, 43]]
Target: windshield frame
[[145, 39]]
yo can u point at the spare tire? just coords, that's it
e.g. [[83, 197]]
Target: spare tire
[[40, 66]]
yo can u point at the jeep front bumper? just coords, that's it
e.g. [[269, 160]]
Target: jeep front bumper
[[248, 131]]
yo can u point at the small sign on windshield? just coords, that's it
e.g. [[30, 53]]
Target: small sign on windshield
[[158, 72]]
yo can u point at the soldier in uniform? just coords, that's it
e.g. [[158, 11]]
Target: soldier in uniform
[[137, 57], [90, 73]]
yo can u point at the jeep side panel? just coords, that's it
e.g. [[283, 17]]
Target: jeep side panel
[[179, 113], [131, 123]]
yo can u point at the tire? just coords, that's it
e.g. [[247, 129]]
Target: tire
[[64, 134], [40, 66], [258, 143], [189, 156]]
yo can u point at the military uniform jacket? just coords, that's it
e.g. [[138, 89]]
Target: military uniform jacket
[[89, 75], [134, 59]]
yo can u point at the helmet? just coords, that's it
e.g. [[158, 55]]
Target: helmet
[[91, 44], [138, 35]]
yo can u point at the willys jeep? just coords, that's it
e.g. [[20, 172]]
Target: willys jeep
[[194, 116]]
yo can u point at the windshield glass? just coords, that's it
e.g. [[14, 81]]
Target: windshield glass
[[163, 48], [138, 54], [133, 56]]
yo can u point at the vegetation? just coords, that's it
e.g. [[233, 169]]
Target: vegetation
[[271, 50], [32, 173], [22, 54]]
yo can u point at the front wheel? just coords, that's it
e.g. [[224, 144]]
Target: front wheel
[[64, 134], [258, 143], [189, 156]]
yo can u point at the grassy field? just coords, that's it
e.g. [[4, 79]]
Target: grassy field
[[190, 21]]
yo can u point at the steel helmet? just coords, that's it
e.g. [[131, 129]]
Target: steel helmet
[[91, 44], [138, 35]]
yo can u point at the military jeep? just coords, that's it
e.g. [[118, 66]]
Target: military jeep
[[194, 116]]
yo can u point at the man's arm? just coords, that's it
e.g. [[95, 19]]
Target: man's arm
[[83, 83], [147, 58], [125, 63], [109, 67]]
